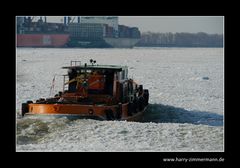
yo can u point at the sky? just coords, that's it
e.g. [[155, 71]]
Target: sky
[[163, 24], [191, 24]]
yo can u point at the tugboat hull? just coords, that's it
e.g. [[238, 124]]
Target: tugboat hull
[[114, 112]]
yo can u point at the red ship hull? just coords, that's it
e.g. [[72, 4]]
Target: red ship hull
[[42, 40]]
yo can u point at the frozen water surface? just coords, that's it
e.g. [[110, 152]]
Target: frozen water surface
[[186, 111]]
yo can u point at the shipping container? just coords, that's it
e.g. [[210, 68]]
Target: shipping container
[[86, 30]]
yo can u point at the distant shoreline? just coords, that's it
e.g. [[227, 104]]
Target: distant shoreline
[[181, 46]]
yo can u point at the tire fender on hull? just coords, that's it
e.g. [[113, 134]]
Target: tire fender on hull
[[109, 114], [25, 107], [146, 96]]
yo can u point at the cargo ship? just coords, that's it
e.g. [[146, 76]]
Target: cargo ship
[[87, 32], [40, 33]]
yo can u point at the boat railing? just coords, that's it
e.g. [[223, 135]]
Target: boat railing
[[75, 63], [65, 78]]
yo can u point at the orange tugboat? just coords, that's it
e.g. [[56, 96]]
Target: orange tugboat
[[94, 91]]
